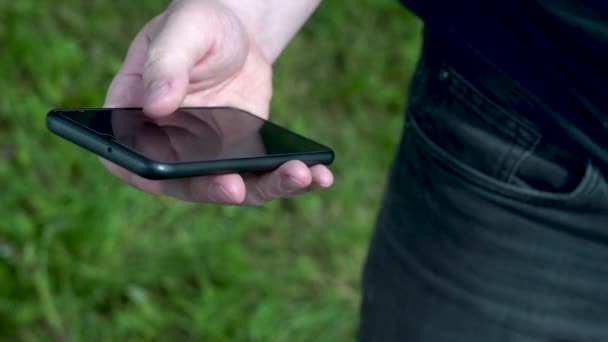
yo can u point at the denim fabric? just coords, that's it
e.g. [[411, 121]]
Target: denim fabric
[[556, 49], [492, 228]]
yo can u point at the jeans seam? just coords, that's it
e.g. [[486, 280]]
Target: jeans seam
[[496, 108], [505, 168], [525, 155], [518, 133]]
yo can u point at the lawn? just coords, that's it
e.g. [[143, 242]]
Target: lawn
[[85, 258]]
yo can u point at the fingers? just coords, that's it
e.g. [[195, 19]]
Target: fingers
[[126, 89], [289, 179], [322, 178], [222, 189], [165, 82]]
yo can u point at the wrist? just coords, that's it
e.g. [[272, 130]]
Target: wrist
[[271, 24]]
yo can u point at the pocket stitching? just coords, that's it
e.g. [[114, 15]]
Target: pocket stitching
[[494, 121], [478, 178], [519, 133]]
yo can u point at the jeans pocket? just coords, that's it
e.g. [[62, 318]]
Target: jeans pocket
[[488, 145], [515, 190]]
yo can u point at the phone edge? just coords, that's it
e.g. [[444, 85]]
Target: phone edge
[[155, 170], [92, 142]]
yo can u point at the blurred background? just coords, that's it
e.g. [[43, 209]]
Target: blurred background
[[84, 257]]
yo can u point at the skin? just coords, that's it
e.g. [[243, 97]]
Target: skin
[[214, 53]]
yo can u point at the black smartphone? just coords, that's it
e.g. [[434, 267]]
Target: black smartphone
[[190, 142]]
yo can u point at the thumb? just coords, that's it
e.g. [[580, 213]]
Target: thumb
[[199, 43], [165, 83], [180, 41]]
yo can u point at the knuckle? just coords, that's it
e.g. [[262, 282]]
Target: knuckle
[[155, 57]]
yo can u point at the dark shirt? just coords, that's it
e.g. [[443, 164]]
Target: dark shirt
[[557, 50]]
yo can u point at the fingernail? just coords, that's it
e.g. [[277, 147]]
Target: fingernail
[[289, 184], [218, 194], [157, 89]]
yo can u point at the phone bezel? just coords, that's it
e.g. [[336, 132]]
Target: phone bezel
[[153, 169]]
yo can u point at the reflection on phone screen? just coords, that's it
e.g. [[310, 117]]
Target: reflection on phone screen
[[194, 134]]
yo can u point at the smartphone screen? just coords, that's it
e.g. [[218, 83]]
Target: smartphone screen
[[193, 134]]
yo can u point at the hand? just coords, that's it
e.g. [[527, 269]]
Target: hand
[[198, 53]]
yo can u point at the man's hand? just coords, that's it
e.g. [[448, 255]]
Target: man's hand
[[200, 53]]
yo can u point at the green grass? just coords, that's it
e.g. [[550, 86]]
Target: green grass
[[85, 258]]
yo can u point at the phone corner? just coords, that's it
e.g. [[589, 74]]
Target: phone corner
[[51, 121], [154, 170], [330, 156], [52, 111]]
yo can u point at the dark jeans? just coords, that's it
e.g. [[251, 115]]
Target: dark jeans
[[490, 230]]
